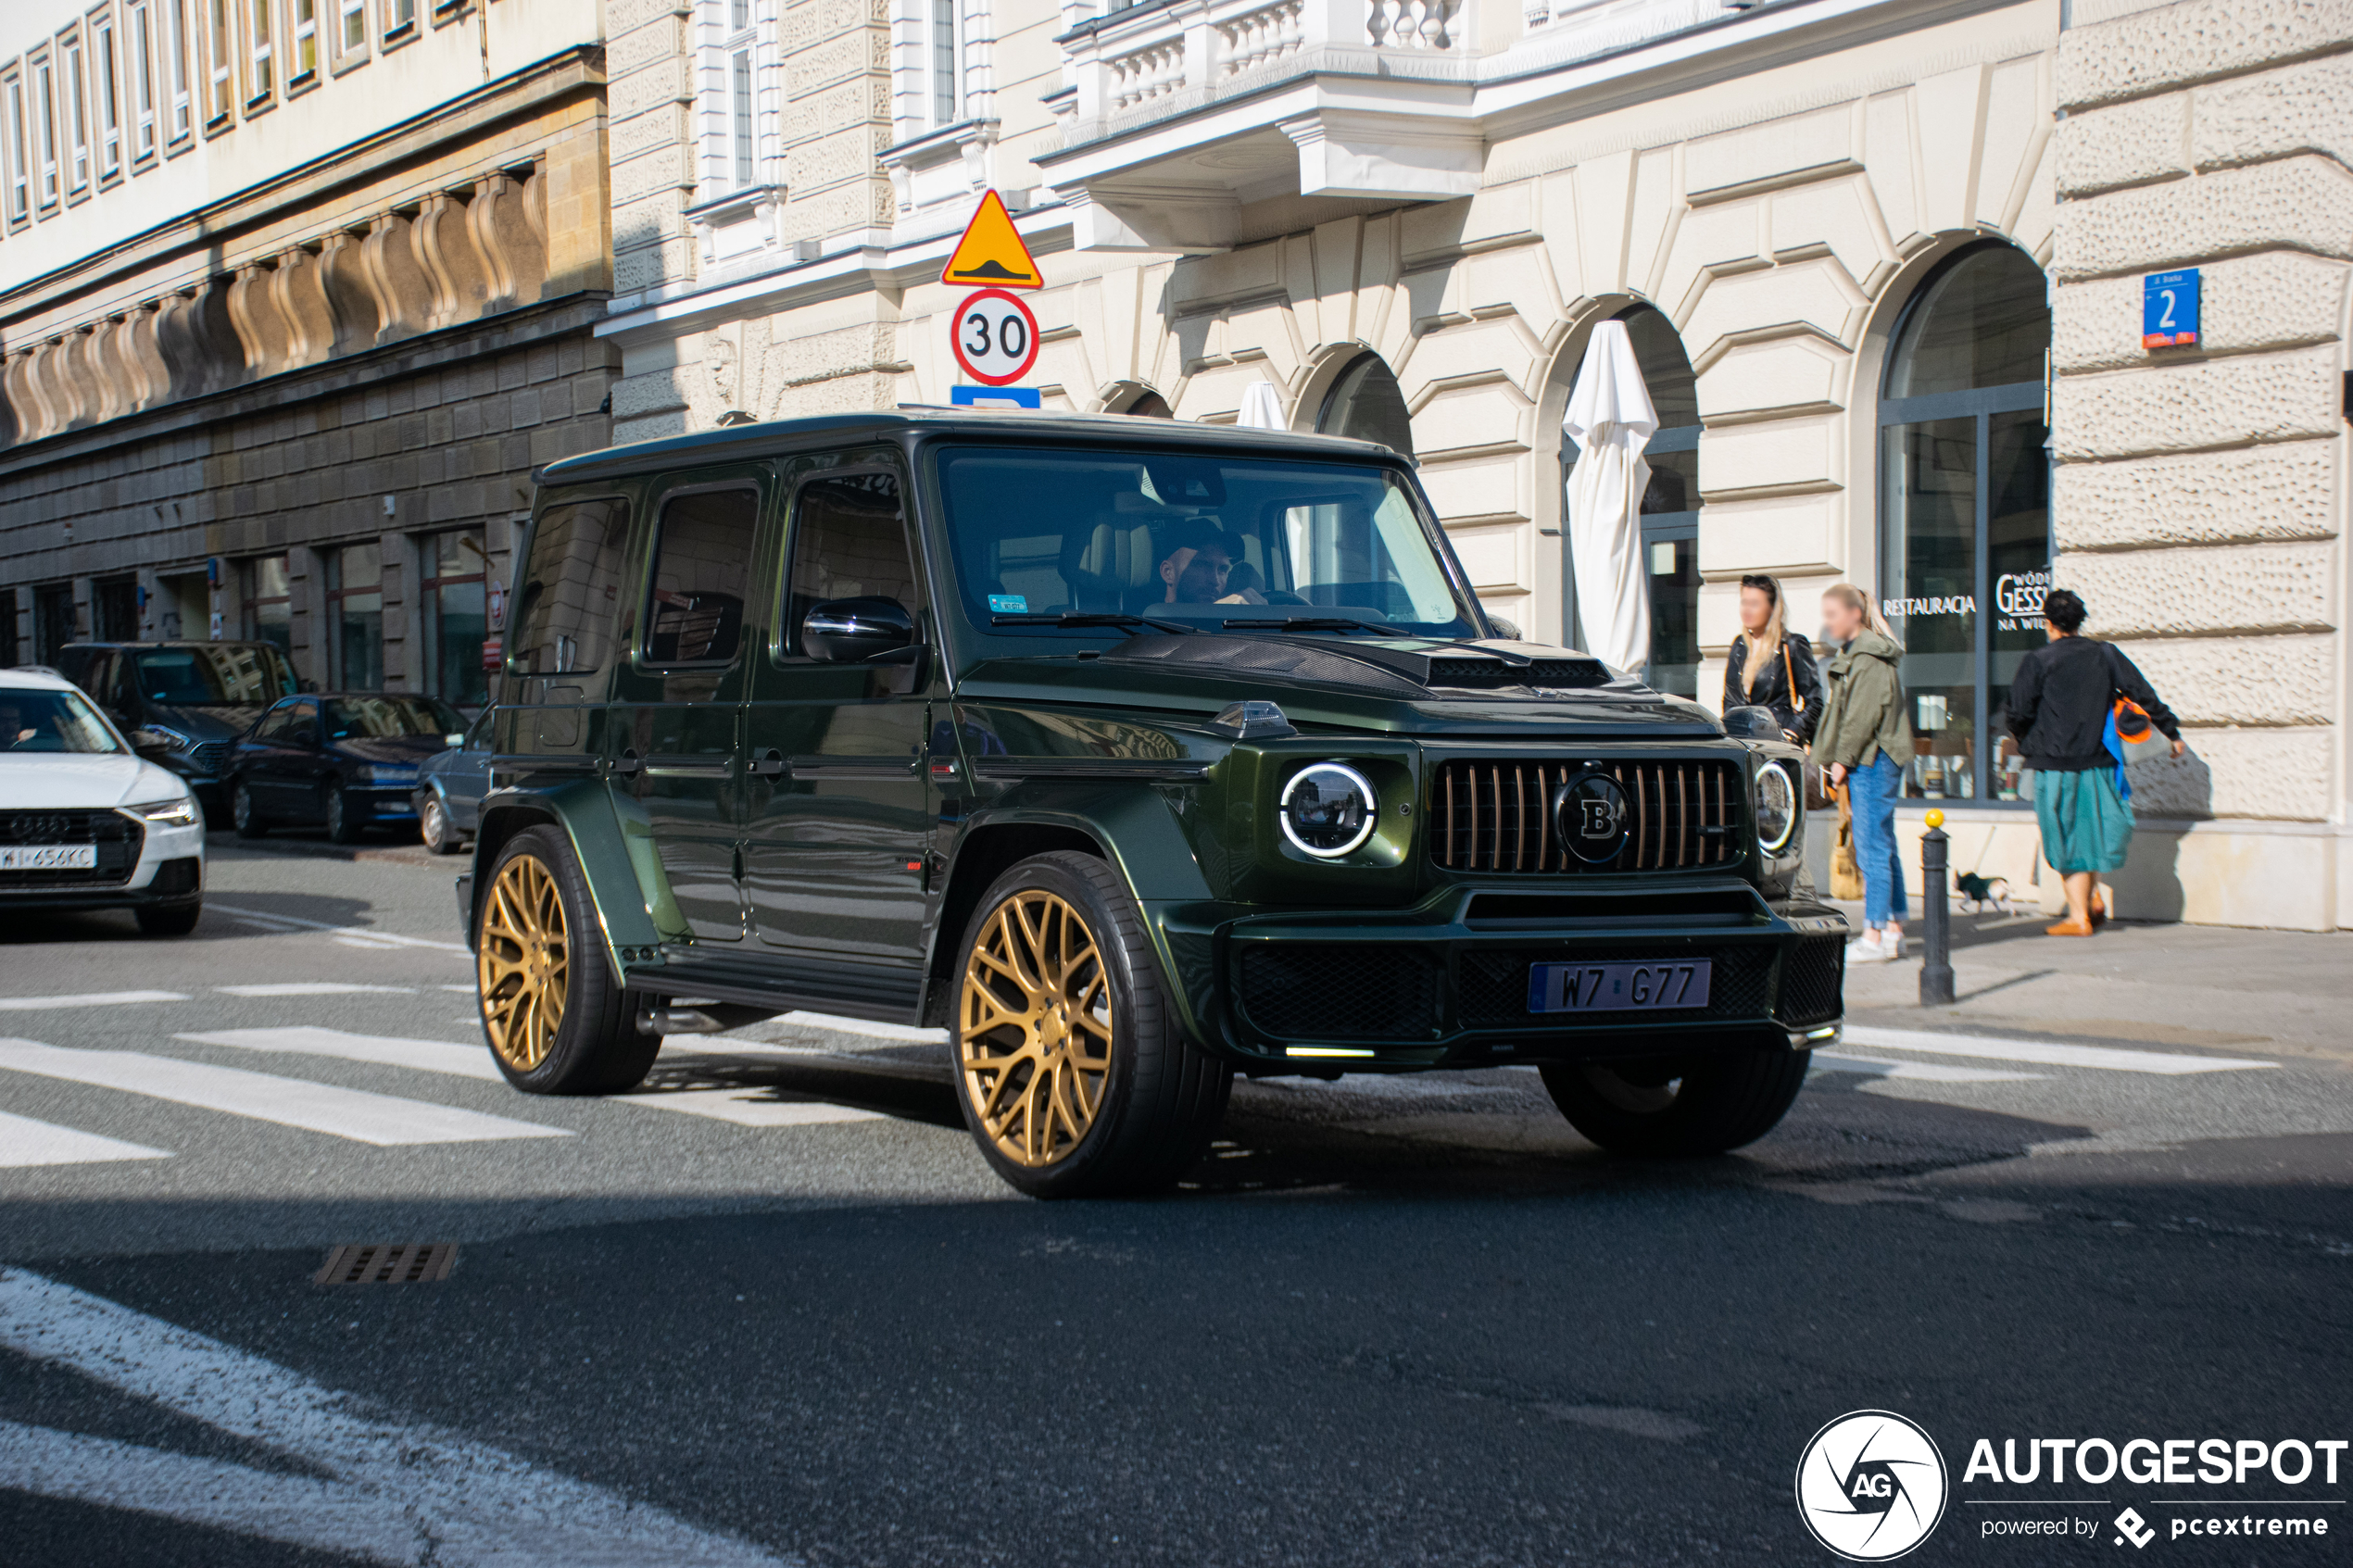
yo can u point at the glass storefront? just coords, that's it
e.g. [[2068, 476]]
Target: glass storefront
[[457, 618], [1965, 512], [356, 612]]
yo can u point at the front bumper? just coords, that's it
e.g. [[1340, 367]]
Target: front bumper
[[1446, 984], [168, 870], [380, 803]]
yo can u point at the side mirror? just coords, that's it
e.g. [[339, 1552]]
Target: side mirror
[[1752, 723], [151, 745], [852, 631]]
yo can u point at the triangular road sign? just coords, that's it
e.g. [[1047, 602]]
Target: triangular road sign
[[991, 254]]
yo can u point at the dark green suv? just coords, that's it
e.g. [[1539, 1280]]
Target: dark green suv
[[1132, 754]]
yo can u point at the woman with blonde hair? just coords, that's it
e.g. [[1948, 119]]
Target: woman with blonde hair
[[1771, 666], [1864, 739]]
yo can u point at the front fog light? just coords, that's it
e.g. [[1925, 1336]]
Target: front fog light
[[1329, 809], [1776, 808]]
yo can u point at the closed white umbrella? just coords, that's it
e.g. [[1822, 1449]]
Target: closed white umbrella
[[1262, 408], [1611, 419]]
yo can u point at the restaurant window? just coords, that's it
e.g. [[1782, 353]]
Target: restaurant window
[[457, 618], [356, 615], [1965, 534], [1366, 405], [268, 603]]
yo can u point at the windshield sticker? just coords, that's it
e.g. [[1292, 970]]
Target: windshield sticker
[[1009, 604]]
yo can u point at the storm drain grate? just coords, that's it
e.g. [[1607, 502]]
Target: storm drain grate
[[414, 1262]]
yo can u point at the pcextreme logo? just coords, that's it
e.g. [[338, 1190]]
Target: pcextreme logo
[[1871, 1486]]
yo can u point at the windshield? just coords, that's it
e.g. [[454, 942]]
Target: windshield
[[39, 720], [223, 675], [1205, 541], [368, 717]]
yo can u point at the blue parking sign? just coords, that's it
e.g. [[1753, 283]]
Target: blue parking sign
[[2169, 309]]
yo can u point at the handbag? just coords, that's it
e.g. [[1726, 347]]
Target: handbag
[[2136, 736], [1818, 789], [1846, 877]]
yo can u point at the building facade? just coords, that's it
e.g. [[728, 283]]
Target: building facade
[[295, 295]]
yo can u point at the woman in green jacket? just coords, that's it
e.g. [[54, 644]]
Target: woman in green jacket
[[1863, 740]]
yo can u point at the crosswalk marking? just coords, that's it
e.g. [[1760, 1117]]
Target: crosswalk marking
[[87, 999], [749, 1108], [2049, 1053], [308, 988], [364, 934], [1918, 1071], [382, 1119], [25, 1141], [428, 1056]]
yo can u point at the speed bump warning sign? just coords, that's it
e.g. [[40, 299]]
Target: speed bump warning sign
[[991, 254]]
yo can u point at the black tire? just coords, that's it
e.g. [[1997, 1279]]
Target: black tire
[[595, 1049], [432, 826], [168, 920], [1157, 1098], [245, 815], [1704, 1106], [341, 826]]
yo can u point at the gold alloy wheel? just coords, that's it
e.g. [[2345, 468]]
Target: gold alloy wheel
[[1034, 1030], [523, 966]]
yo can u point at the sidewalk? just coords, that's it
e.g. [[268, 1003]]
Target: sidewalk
[[2181, 987]]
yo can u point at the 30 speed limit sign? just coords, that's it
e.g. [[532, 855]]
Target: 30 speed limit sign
[[995, 338]]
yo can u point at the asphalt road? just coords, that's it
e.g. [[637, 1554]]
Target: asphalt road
[[774, 1308]]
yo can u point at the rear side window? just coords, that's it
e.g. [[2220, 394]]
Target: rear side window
[[850, 541], [702, 563], [570, 593]]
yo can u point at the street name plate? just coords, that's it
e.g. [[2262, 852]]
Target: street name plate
[[1617, 987]]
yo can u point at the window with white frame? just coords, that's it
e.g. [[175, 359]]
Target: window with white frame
[[183, 103], [19, 161], [77, 118], [400, 19], [220, 52], [947, 63], [44, 108], [355, 27], [262, 77], [108, 96], [304, 46], [140, 19], [738, 66]]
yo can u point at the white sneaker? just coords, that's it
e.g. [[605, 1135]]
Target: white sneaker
[[1892, 939], [1867, 949]]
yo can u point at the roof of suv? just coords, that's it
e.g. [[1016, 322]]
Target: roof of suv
[[733, 443], [35, 679]]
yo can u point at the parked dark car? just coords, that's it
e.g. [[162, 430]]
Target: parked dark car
[[346, 761], [182, 705], [450, 789]]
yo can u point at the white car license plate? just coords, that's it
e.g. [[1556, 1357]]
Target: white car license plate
[[50, 858], [1612, 987]]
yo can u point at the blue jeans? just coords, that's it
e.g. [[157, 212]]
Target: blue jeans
[[1871, 792]]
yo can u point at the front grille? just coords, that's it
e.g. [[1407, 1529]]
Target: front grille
[[1812, 980], [1358, 991], [1495, 984], [1486, 672], [207, 758], [116, 836], [1497, 816]]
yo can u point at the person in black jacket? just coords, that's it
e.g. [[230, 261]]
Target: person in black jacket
[[2059, 704], [1771, 666]]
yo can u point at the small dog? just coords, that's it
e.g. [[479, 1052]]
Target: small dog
[[1979, 894]]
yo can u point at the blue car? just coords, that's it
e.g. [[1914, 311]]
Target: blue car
[[345, 761], [450, 790]]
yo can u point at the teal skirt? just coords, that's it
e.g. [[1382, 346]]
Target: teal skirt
[[2087, 825]]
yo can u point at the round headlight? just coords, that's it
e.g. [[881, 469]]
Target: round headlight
[[1776, 808], [1329, 809]]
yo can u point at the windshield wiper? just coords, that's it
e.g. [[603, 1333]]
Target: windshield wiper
[[1305, 623], [1091, 617]]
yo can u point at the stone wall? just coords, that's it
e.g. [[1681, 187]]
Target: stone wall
[[2199, 500]]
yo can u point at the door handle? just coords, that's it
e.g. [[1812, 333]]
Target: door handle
[[627, 763], [770, 765]]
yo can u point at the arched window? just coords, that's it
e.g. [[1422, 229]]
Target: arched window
[[1669, 507], [1365, 404], [1965, 521]]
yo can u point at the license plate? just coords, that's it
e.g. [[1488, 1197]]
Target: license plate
[[1616, 988], [50, 858]]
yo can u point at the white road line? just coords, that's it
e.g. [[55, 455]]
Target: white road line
[[24, 1142], [388, 1051], [747, 1107], [2046, 1052], [1918, 1071], [382, 1119], [309, 988], [87, 999], [342, 940], [399, 1492], [364, 933]]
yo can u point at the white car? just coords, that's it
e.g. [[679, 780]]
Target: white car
[[85, 823]]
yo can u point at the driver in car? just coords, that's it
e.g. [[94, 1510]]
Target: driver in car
[[1196, 565]]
